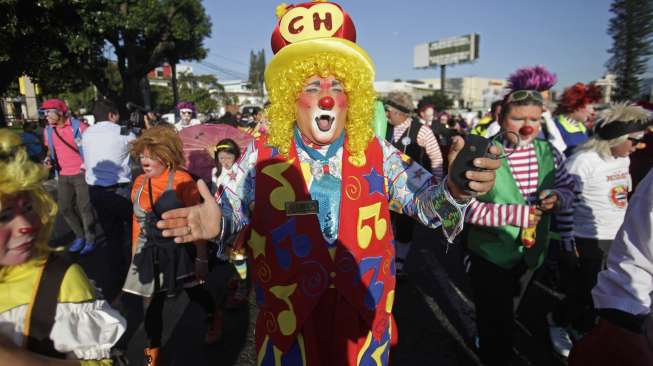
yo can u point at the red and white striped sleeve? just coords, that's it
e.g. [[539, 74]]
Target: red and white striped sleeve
[[426, 140], [496, 214]]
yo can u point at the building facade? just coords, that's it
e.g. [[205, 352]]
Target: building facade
[[472, 92]]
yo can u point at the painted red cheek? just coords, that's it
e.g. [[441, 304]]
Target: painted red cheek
[[341, 101], [5, 234], [526, 130], [305, 101], [327, 103]]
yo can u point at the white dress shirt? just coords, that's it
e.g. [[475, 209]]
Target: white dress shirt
[[106, 154]]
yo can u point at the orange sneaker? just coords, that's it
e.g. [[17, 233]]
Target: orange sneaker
[[152, 356]]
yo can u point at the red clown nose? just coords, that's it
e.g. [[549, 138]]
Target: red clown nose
[[526, 130], [27, 230], [326, 103]]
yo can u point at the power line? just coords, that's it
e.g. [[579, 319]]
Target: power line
[[229, 59], [224, 70]]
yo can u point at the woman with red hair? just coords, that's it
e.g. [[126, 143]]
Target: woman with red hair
[[575, 112]]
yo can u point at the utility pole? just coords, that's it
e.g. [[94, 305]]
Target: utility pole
[[442, 77], [175, 92]]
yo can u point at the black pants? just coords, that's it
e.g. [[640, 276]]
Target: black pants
[[114, 212], [75, 205], [578, 277], [494, 291], [153, 322], [404, 225]]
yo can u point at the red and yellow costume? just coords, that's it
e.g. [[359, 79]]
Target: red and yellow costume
[[298, 273]]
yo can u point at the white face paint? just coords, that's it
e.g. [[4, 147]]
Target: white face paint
[[320, 125], [186, 115], [324, 126], [520, 116]]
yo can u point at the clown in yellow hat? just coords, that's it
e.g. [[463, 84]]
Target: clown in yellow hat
[[316, 199]]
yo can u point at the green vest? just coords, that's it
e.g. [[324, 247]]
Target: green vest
[[502, 245]]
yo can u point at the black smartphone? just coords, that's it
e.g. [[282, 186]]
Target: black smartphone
[[475, 147]]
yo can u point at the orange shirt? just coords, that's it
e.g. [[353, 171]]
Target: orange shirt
[[182, 183]]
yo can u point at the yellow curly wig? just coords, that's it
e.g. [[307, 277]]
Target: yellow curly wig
[[18, 174], [287, 85]]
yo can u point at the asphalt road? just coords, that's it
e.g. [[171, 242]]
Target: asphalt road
[[434, 313]]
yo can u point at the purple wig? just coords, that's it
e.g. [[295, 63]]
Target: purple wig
[[532, 78], [186, 105]]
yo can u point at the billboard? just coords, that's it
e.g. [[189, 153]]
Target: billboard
[[447, 51]]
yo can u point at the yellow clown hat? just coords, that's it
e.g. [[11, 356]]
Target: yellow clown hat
[[310, 28]]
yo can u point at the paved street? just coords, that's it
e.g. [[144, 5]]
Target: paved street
[[434, 313]]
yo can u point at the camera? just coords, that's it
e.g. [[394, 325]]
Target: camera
[[136, 121]]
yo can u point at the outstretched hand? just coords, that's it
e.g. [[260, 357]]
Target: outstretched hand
[[199, 222], [482, 181]]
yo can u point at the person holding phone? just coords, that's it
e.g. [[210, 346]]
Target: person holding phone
[[509, 235]]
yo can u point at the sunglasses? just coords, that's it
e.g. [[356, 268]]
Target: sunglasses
[[520, 95], [635, 140], [48, 111]]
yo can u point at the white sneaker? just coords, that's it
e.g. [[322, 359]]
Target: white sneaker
[[559, 337]]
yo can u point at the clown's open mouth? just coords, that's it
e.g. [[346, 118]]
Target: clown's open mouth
[[324, 122]]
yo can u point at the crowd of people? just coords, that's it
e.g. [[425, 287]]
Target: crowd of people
[[317, 215]]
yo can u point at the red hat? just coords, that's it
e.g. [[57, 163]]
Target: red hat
[[57, 104], [309, 28], [313, 20]]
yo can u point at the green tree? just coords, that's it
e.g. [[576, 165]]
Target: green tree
[[253, 77], [162, 99], [79, 38], [256, 71], [80, 100], [631, 29], [83, 96], [438, 99], [260, 64], [203, 90], [35, 38]]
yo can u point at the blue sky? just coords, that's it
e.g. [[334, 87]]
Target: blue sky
[[567, 36]]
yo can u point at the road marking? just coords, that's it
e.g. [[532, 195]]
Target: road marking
[[548, 290], [439, 314], [521, 357], [441, 275], [523, 328]]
